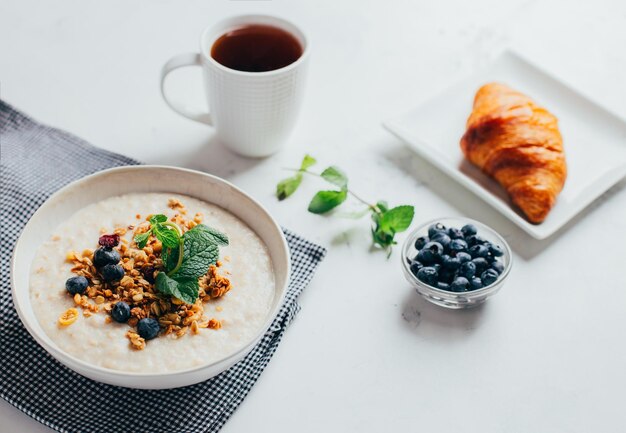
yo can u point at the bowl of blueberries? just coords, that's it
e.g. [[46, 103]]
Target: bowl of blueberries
[[456, 262]]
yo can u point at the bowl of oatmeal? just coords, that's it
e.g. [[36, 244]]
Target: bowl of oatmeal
[[149, 277]]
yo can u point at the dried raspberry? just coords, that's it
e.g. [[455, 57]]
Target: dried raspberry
[[109, 241]]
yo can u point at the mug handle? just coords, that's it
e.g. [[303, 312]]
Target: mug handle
[[179, 61]]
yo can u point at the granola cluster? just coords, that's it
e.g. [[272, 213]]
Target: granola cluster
[[137, 289]]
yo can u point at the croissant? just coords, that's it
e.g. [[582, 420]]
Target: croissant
[[518, 143]]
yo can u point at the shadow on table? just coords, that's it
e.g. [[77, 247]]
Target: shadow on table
[[416, 312], [448, 189], [214, 158]]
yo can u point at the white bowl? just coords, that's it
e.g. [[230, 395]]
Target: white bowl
[[133, 179]]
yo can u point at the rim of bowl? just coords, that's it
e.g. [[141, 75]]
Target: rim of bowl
[[57, 352], [408, 244]]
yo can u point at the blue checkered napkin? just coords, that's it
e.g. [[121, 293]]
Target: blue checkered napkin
[[37, 160]]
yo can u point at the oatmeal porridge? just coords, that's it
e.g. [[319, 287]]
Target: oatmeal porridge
[[151, 283]]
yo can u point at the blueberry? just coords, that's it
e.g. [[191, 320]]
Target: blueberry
[[481, 264], [446, 276], [469, 229], [463, 257], [455, 233], [496, 250], [105, 256], [489, 277], [112, 273], [460, 284], [476, 283], [420, 242], [415, 267], [467, 270], [474, 240], [490, 258], [498, 267], [442, 238], [437, 267], [76, 285], [452, 263], [443, 286], [121, 312], [148, 328], [428, 275], [424, 257], [437, 227], [479, 251], [434, 247], [456, 246], [431, 253]]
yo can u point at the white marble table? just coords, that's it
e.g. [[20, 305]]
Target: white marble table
[[547, 354]]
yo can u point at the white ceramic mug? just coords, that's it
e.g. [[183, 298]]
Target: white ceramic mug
[[253, 113]]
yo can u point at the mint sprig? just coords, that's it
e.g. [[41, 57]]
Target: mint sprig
[[386, 222], [186, 257], [288, 186], [325, 201], [184, 289], [199, 252], [167, 232]]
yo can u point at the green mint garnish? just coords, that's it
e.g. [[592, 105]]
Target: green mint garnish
[[186, 257], [199, 252], [166, 232], [389, 222], [386, 222], [184, 289], [335, 176], [288, 186], [158, 218], [324, 201], [169, 237], [142, 239]]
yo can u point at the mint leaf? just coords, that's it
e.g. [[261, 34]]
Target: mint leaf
[[390, 222], [168, 237], [398, 219], [218, 237], [199, 252], [324, 201], [170, 258], [142, 239], [382, 206], [307, 162], [335, 176], [288, 186], [184, 289], [158, 218], [382, 238]]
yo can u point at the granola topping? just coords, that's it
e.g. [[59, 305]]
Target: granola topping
[[137, 286], [68, 317]]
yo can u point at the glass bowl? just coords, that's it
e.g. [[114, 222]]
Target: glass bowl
[[444, 298]]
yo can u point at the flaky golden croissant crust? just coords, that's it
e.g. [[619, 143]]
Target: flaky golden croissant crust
[[518, 143]]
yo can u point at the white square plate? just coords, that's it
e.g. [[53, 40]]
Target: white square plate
[[594, 139]]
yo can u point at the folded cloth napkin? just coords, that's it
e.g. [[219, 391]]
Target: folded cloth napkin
[[36, 160]]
